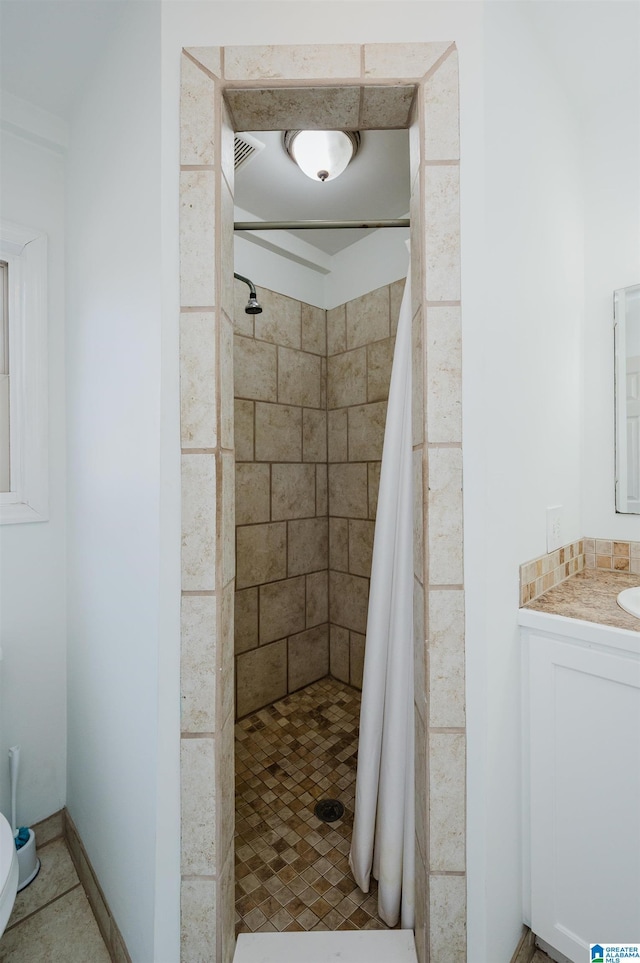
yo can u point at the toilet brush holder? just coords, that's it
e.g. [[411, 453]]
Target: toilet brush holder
[[28, 862]]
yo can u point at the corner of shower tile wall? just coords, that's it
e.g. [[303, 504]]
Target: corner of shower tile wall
[[208, 528], [438, 578]]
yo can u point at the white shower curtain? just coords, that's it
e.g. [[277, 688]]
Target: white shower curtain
[[383, 830]]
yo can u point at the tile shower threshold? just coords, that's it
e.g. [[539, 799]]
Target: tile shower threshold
[[355, 946]]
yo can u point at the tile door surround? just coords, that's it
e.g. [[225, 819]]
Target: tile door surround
[[208, 562]]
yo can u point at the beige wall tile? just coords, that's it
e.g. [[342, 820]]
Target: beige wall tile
[[197, 920], [446, 658], [379, 361], [227, 149], [368, 318], [442, 135], [246, 620], [243, 430], [317, 599], [421, 785], [339, 653], [293, 491], [337, 329], [444, 375], [292, 62], [348, 601], [198, 803], [366, 431], [322, 495], [282, 609], [226, 382], [298, 378], [323, 383], [307, 545], [416, 209], [373, 484], [447, 793], [442, 220], [401, 59], [209, 57], [348, 490], [360, 546], [225, 234], [197, 239], [386, 107], [226, 907], [417, 379], [347, 378], [447, 916], [225, 662], [422, 906], [314, 435], [415, 133], [255, 369], [308, 657], [445, 516], [396, 290], [198, 664], [418, 519], [419, 649], [278, 433], [287, 108], [262, 676], [198, 522], [228, 519], [252, 493], [197, 115], [198, 379], [314, 328], [356, 658], [339, 544], [280, 321], [337, 435], [261, 554]]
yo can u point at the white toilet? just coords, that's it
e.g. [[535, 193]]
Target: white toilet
[[8, 872]]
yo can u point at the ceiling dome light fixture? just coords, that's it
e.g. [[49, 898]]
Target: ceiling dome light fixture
[[322, 154]]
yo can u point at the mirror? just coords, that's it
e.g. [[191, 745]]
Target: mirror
[[627, 385]]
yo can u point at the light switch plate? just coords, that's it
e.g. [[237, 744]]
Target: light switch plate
[[554, 528]]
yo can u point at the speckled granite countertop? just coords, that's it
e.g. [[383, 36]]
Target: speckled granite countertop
[[591, 596]]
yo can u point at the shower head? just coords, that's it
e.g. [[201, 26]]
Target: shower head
[[252, 304]]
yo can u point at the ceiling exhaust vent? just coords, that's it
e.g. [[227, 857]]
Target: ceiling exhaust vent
[[245, 148]]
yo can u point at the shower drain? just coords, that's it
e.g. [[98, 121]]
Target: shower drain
[[328, 810]]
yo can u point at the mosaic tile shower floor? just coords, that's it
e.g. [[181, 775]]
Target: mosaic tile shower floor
[[292, 870]]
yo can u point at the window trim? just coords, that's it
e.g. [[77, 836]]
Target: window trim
[[25, 251]]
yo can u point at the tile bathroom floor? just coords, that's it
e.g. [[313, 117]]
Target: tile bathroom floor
[[292, 870], [51, 921]]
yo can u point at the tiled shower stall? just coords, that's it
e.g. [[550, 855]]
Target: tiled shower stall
[[311, 390], [337, 86]]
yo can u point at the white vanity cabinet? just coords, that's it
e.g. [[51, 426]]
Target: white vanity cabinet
[[581, 724]]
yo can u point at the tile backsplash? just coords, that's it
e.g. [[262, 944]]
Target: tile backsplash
[[610, 555], [543, 573]]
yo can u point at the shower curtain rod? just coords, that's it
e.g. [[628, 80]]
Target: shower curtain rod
[[316, 225]]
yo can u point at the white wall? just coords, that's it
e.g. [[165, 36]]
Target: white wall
[[120, 781], [32, 556], [611, 151], [522, 402]]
